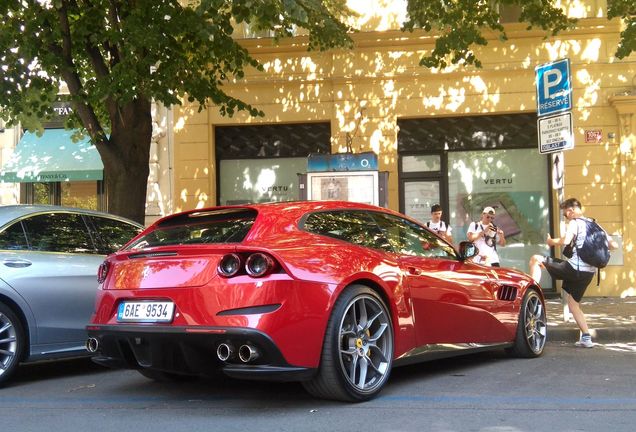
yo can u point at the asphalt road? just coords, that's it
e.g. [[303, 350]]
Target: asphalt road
[[568, 389]]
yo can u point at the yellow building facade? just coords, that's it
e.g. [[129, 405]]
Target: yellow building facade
[[370, 95]]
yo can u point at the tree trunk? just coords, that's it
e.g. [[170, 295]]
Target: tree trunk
[[126, 157]]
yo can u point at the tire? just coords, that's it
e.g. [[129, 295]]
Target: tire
[[357, 352], [532, 328], [12, 342]]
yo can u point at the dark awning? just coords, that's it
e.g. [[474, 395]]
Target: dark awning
[[52, 157]]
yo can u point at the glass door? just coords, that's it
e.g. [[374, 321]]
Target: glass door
[[421, 185], [419, 196]]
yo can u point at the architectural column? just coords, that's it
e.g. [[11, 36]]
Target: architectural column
[[154, 201], [625, 106]]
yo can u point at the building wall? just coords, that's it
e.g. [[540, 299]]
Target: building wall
[[362, 92], [9, 192]]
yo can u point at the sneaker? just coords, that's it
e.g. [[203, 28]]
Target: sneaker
[[585, 341]]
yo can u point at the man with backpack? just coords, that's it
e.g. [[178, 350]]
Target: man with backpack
[[586, 250]]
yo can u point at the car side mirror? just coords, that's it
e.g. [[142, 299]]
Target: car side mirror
[[467, 250]]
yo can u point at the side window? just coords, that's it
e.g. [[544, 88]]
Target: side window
[[112, 233], [59, 232], [13, 238], [411, 239], [350, 226]]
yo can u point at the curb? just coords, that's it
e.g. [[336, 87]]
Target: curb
[[618, 334]]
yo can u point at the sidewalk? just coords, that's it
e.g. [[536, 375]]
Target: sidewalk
[[610, 319]]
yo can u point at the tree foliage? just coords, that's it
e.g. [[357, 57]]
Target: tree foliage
[[116, 56], [625, 9], [462, 24]]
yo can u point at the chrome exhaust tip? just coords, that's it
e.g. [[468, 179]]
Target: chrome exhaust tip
[[247, 353], [92, 345], [224, 352]]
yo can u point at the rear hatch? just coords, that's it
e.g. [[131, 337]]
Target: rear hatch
[[181, 251]]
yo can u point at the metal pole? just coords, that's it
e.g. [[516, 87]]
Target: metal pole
[[558, 182]]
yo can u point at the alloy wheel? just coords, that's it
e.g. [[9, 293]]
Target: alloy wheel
[[8, 343], [366, 344], [535, 323]]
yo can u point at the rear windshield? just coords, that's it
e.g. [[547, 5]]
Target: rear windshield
[[207, 227]]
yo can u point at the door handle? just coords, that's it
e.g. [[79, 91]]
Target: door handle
[[414, 271], [16, 263]]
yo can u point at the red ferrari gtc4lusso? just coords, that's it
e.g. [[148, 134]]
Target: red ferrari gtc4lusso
[[332, 294]]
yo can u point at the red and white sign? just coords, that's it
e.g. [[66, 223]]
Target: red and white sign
[[593, 135]]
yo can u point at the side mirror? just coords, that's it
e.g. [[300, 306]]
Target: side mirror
[[467, 250]]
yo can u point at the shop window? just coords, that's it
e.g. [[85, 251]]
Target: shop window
[[81, 194], [421, 163], [261, 163], [515, 183], [41, 193]]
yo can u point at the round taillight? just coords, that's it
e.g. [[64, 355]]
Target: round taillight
[[259, 264], [102, 272], [229, 265]]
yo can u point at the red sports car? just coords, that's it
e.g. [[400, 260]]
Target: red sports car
[[333, 294]]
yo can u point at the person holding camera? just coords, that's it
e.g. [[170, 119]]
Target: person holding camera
[[486, 236]]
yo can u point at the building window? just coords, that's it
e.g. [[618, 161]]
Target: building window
[[80, 194]]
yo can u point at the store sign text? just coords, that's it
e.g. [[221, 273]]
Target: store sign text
[[498, 181]]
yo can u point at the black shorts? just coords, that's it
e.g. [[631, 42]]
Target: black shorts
[[575, 282]]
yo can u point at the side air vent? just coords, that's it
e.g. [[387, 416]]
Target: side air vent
[[152, 255], [507, 293]]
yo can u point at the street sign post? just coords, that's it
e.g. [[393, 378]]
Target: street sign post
[[554, 96], [554, 91]]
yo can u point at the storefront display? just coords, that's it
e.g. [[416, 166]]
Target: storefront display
[[499, 179]]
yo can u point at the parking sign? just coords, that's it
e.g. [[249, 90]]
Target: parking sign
[[555, 133], [554, 91]]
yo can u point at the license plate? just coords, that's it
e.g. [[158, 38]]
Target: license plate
[[147, 311]]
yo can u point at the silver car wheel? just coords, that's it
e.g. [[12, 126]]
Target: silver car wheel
[[535, 325], [8, 344], [366, 344]]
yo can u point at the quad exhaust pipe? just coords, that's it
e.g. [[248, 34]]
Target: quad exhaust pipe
[[92, 345]]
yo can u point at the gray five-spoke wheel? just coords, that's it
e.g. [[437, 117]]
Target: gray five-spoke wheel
[[8, 344], [535, 325], [366, 344]]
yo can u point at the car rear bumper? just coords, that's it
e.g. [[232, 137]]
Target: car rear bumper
[[192, 351]]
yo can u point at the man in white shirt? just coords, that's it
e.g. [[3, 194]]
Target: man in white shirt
[[575, 273], [437, 225], [486, 236]]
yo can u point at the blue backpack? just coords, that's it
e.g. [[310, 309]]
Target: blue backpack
[[595, 248]]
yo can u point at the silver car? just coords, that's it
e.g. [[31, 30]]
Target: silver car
[[49, 258]]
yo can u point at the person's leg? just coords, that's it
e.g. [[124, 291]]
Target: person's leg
[[576, 287], [535, 266], [579, 316]]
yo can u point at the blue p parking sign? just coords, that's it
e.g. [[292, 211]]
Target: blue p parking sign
[[554, 91]]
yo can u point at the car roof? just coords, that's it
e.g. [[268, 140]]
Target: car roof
[[15, 211], [290, 209]]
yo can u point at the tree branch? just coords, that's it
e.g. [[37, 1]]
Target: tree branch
[[68, 71]]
